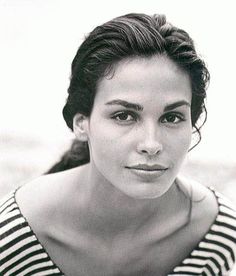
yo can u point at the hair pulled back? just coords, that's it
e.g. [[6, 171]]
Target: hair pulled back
[[132, 35]]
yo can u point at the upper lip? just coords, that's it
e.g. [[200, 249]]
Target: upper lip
[[146, 167]]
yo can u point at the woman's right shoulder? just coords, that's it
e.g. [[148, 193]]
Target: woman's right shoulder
[[41, 198], [20, 249]]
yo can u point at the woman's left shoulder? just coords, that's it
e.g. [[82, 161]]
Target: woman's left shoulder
[[208, 202], [212, 214], [204, 203], [215, 215], [213, 224]]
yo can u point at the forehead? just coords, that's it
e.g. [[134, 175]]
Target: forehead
[[145, 77]]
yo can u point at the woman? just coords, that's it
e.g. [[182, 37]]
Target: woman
[[136, 95]]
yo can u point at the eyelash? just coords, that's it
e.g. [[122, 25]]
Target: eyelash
[[177, 115], [180, 117], [134, 116]]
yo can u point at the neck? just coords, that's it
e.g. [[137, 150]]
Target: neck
[[112, 212]]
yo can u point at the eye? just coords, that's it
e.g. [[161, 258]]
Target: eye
[[124, 116], [172, 118]]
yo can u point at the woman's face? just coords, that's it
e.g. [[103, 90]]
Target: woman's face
[[140, 127]]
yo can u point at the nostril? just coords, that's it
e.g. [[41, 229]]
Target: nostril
[[150, 149], [150, 138]]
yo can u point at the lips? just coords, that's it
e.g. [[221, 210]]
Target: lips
[[146, 167], [147, 173]]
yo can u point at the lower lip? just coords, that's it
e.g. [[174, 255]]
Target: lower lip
[[148, 175]]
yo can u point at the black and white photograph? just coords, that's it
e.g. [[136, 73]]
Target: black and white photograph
[[117, 138]]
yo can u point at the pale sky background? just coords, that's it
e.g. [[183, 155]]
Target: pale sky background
[[38, 39]]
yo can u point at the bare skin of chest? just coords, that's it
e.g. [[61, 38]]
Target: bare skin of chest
[[152, 250], [126, 256], [88, 243]]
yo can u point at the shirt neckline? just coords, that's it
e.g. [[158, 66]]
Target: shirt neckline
[[172, 271]]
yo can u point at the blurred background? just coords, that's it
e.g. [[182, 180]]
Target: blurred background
[[38, 40]]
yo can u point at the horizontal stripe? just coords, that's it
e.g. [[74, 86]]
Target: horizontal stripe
[[11, 225], [214, 248], [14, 229], [227, 221], [26, 265], [188, 268], [18, 235], [195, 261], [227, 211], [9, 217], [8, 207], [182, 273], [223, 201], [42, 271], [19, 261], [223, 230], [7, 262], [222, 240], [9, 199], [18, 246]]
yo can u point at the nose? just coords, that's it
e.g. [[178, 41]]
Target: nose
[[149, 142]]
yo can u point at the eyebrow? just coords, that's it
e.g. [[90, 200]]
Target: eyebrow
[[176, 104], [139, 107], [126, 104]]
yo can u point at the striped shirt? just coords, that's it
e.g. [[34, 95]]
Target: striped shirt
[[22, 254]]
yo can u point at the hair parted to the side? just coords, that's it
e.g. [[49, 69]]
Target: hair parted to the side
[[132, 35]]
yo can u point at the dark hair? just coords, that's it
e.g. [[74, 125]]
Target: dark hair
[[132, 35]]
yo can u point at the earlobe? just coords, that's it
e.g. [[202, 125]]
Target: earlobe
[[80, 127]]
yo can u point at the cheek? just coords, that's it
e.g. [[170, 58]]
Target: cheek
[[104, 145], [179, 144], [107, 138]]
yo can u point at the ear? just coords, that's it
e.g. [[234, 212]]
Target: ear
[[80, 127]]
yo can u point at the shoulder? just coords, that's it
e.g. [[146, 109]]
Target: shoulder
[[224, 229], [213, 216], [220, 241], [45, 200], [15, 234], [9, 215], [208, 203], [204, 202], [40, 197], [20, 251]]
